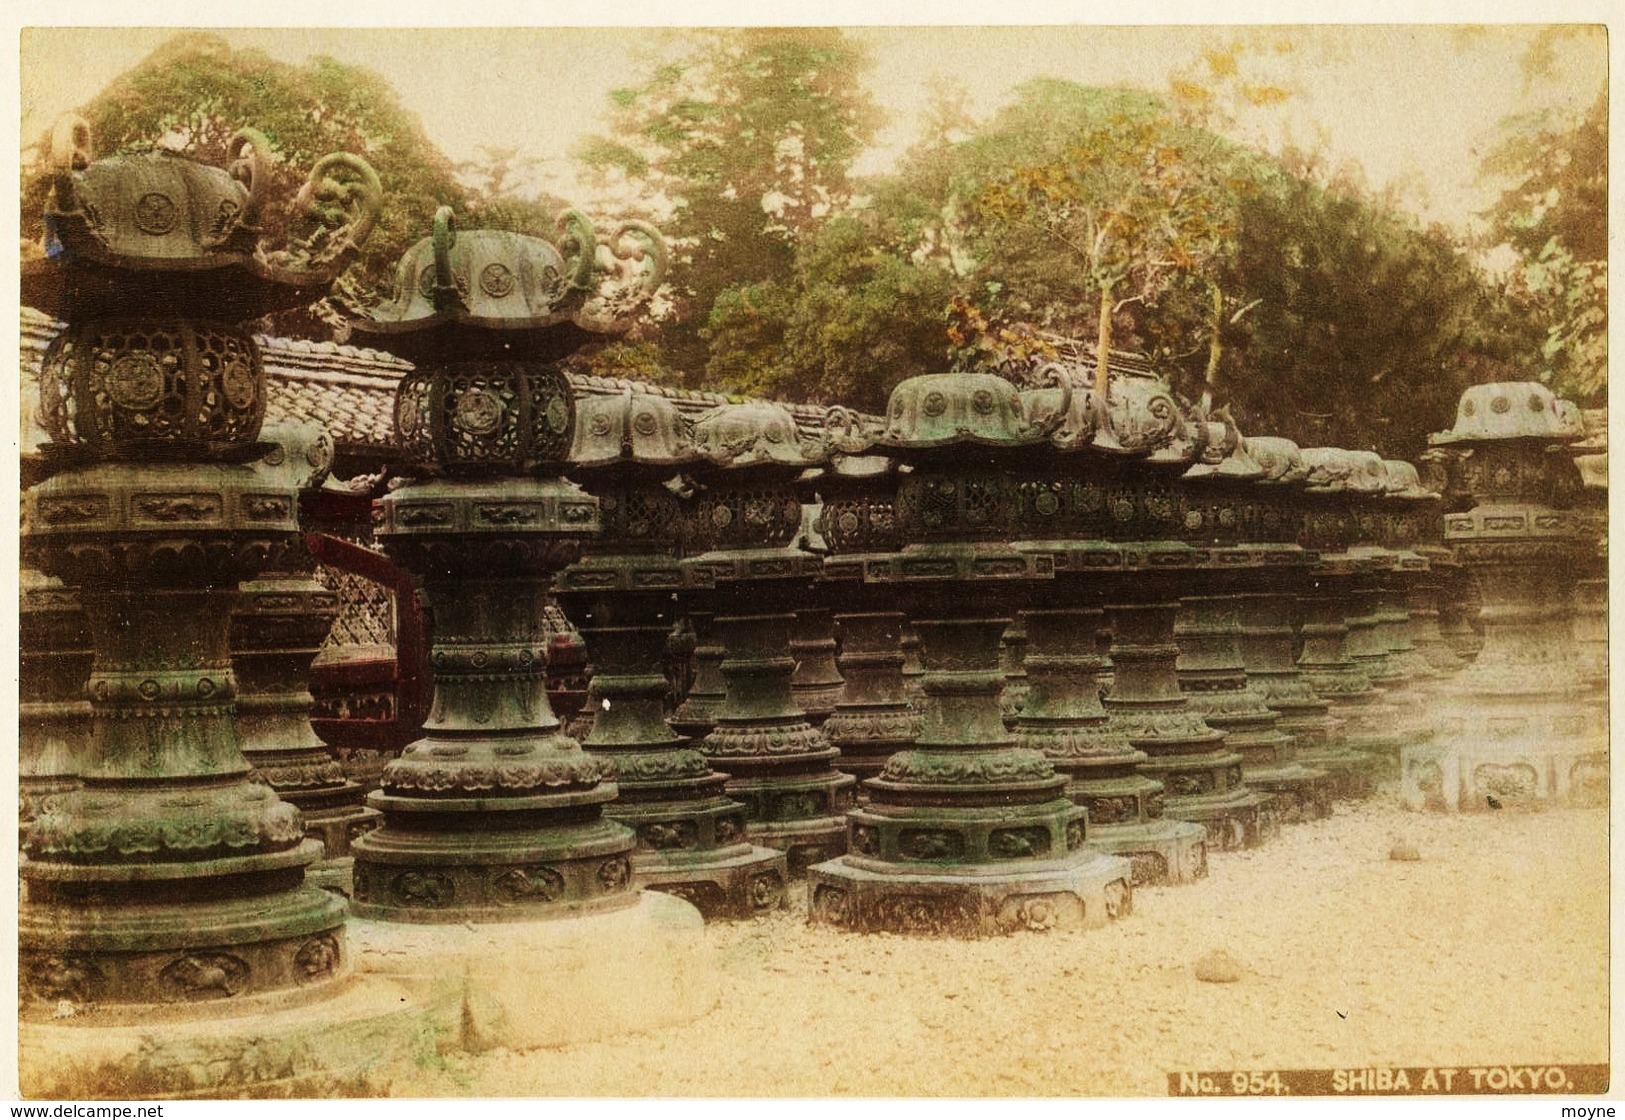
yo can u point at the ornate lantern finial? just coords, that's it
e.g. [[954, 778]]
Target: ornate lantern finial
[[494, 293]]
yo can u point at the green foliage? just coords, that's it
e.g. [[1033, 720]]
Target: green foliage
[[854, 318], [1554, 214], [1365, 328], [748, 138], [194, 92], [1079, 202]]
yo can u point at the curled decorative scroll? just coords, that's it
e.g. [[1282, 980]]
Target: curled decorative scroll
[[633, 266], [648, 245], [843, 430], [1061, 427], [71, 149], [337, 208], [576, 230], [444, 237], [248, 162]]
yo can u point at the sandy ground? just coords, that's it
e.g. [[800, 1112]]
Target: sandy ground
[[1492, 949]]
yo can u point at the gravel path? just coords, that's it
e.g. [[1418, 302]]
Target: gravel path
[[1492, 949]]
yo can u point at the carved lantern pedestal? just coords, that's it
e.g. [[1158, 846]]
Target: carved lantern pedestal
[[1519, 726], [1013, 664], [277, 628], [696, 716], [1422, 601], [1064, 719], [53, 713], [873, 719], [751, 582], [169, 877], [1214, 677], [622, 594], [965, 833], [1202, 777], [816, 682], [495, 814]]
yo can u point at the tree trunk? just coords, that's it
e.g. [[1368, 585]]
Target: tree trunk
[[1103, 346], [1215, 348]]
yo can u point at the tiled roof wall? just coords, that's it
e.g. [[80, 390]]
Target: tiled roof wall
[[349, 389]]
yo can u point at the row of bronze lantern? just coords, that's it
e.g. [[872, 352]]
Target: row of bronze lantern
[[971, 504]]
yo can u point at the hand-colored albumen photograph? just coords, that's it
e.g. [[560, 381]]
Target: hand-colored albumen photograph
[[813, 562]]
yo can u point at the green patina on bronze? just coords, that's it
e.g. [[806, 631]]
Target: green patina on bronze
[[53, 710], [495, 814], [277, 628], [169, 876], [739, 534], [874, 717], [965, 832], [623, 595], [1248, 540]]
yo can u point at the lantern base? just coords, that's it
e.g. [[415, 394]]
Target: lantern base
[[1301, 793], [1446, 777], [1234, 819], [1084, 890], [736, 882], [1352, 773], [106, 965], [1160, 852], [267, 1047]]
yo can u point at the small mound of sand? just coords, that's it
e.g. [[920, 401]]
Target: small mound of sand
[[1218, 967]]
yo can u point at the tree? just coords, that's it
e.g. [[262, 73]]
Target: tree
[[194, 92], [748, 138], [1554, 213], [855, 317], [1362, 328], [1123, 197]]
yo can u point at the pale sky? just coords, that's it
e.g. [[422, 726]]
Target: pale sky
[[1416, 105]]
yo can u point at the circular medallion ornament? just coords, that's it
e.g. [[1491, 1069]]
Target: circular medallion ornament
[[1468, 408], [558, 415], [848, 522], [496, 280], [136, 381], [478, 412], [646, 424], [1500, 404], [406, 417], [1046, 503], [935, 404], [600, 425], [722, 517], [1536, 404], [982, 402], [237, 381], [155, 214]]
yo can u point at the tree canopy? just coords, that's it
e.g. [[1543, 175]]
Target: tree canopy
[[1554, 212], [1300, 298], [748, 138]]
